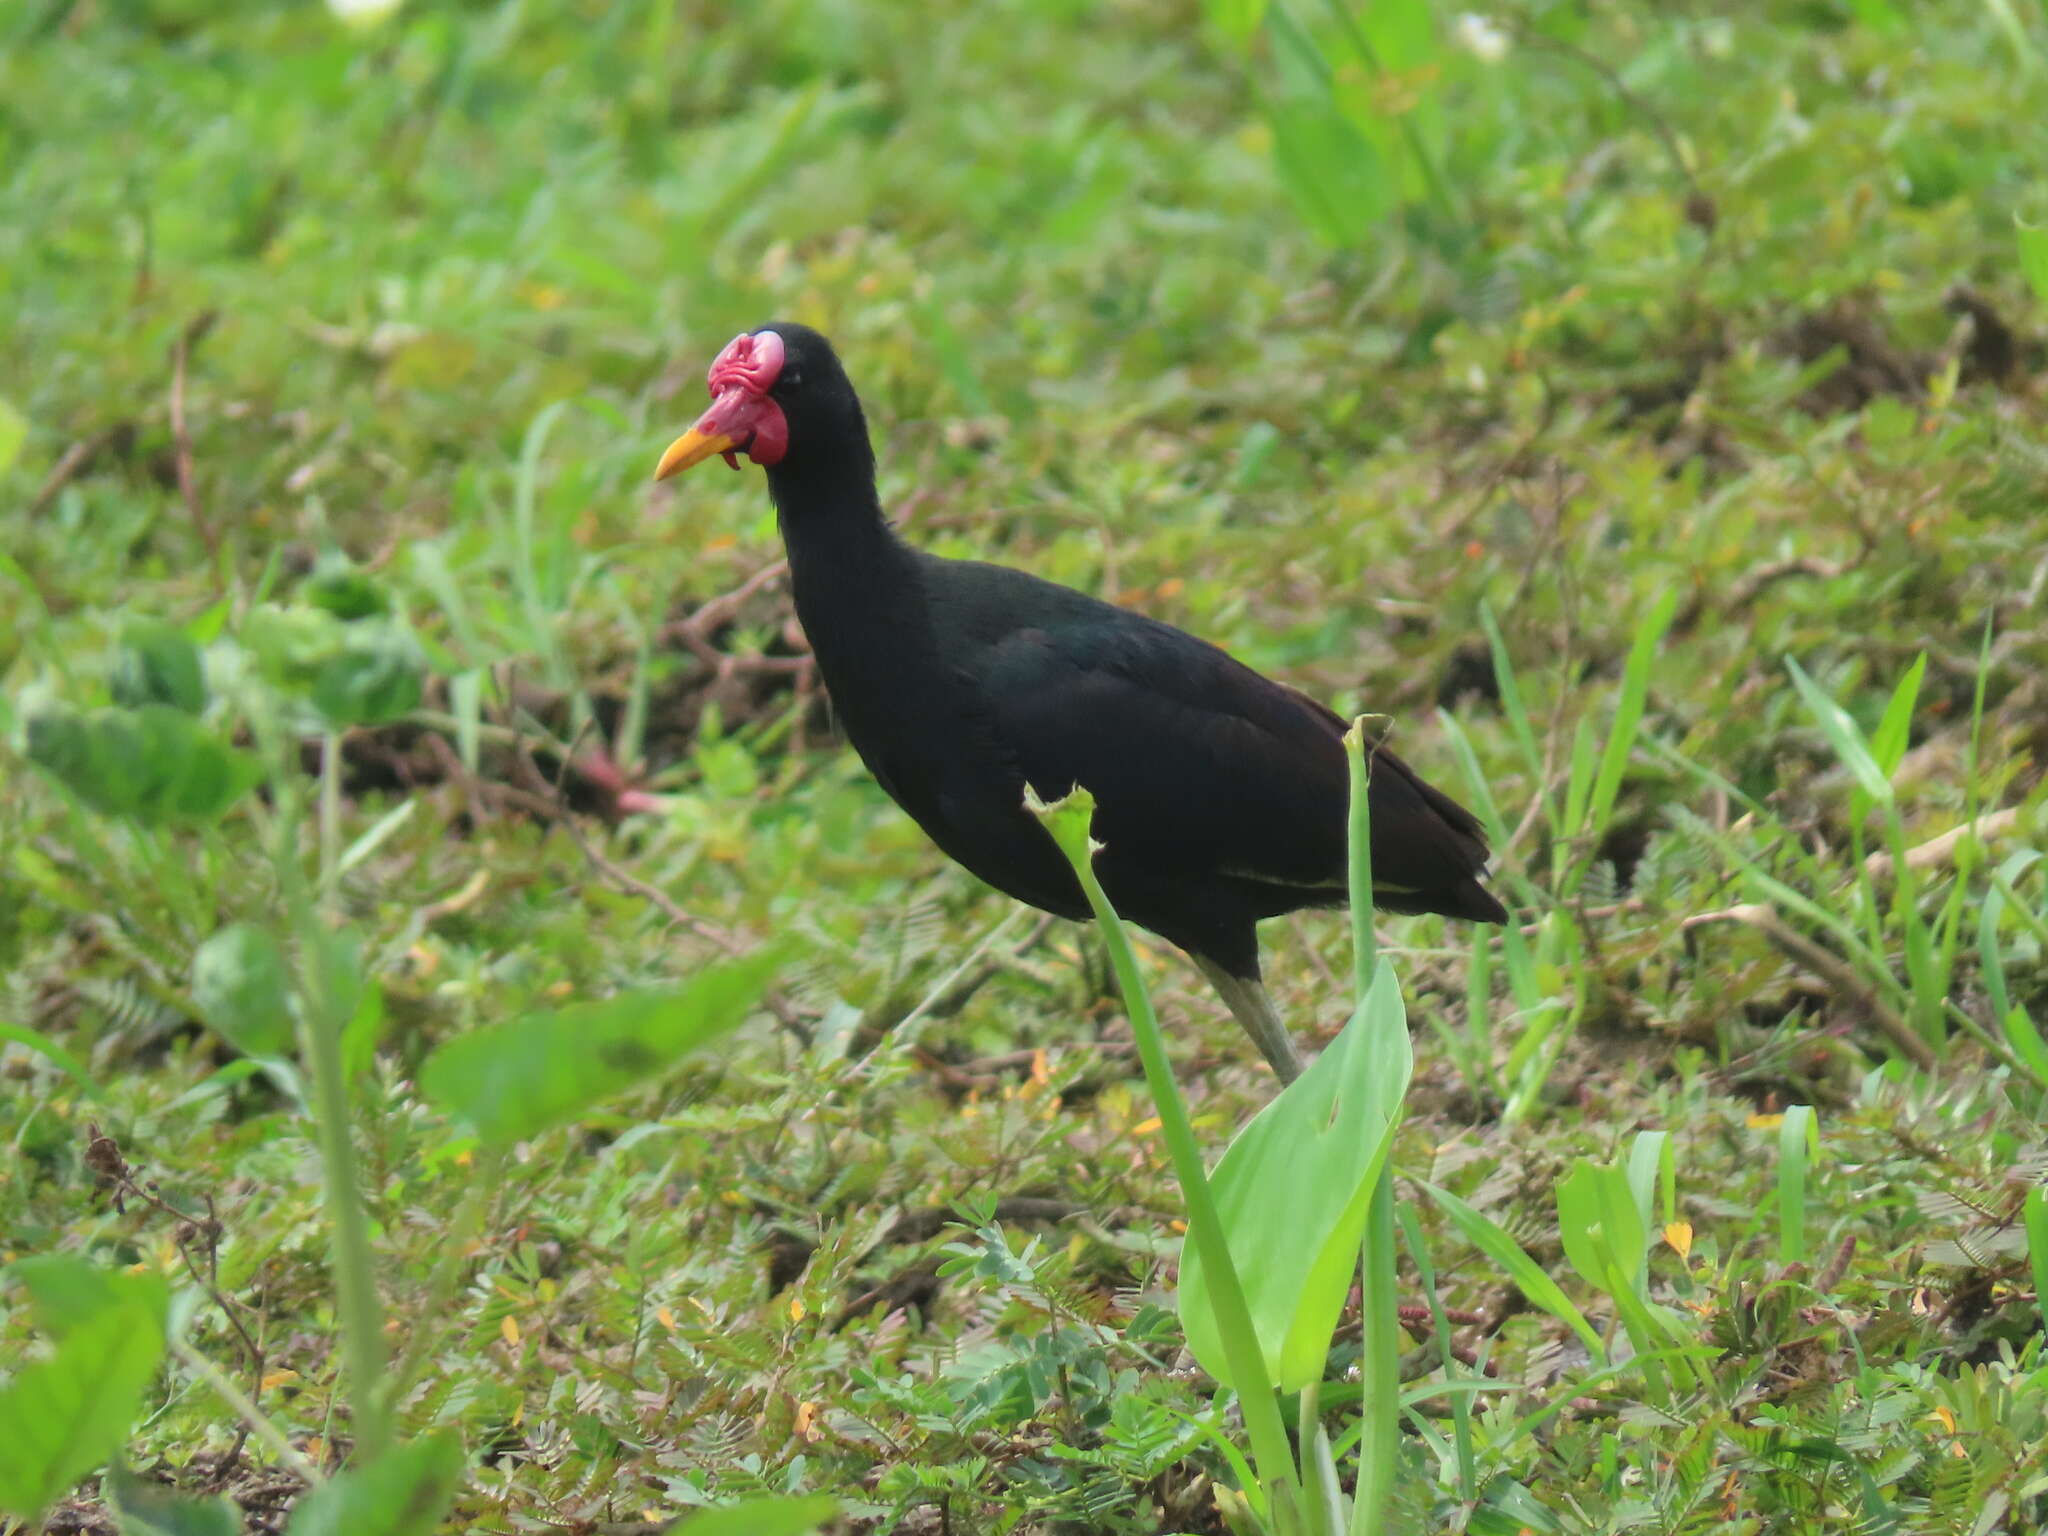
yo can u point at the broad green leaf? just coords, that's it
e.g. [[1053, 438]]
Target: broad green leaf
[[1843, 734], [1509, 1509], [1647, 1158], [242, 989], [154, 763], [2033, 241], [1292, 1192], [70, 1292], [760, 1517], [1333, 173], [1603, 1233], [345, 589], [63, 1416], [149, 1509], [201, 775], [515, 1079], [1529, 1277], [373, 679], [291, 645], [157, 663], [404, 1492]]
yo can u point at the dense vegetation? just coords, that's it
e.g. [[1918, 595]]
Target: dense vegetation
[[1644, 410]]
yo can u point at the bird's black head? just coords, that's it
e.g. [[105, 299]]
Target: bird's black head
[[778, 395]]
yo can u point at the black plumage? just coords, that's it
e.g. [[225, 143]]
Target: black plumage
[[1221, 795]]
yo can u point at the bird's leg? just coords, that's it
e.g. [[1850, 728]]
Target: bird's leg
[[1252, 1008]]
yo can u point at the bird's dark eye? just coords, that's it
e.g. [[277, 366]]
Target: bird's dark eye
[[790, 379]]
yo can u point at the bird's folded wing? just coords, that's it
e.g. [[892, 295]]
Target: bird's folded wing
[[1201, 765]]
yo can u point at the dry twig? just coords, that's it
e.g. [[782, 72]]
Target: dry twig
[[181, 434]]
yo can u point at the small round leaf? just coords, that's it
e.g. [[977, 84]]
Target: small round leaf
[[241, 987], [157, 663]]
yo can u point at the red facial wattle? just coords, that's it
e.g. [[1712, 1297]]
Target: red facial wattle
[[742, 418]]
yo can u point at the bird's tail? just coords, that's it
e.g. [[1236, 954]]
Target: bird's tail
[[1467, 899]]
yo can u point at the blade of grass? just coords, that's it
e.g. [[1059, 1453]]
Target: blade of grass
[[1797, 1136]]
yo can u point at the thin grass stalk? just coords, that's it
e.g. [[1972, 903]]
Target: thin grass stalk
[[2036, 1216], [1379, 1449], [1461, 1402]]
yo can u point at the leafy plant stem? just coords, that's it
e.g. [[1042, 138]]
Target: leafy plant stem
[[321, 1022], [330, 812], [1267, 1430]]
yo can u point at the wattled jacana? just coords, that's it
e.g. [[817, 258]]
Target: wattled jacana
[[1220, 795]]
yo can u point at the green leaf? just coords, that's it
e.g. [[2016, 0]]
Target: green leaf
[[1878, 15], [1798, 1137], [1333, 173], [242, 988], [2033, 241], [1237, 20], [515, 1079], [1292, 1192], [157, 663], [404, 1492], [155, 763], [1843, 735], [198, 776], [761, 1517], [1628, 708], [345, 590], [1529, 1277], [63, 1416], [1888, 743], [63, 1060], [13, 433], [1602, 1228], [372, 680], [291, 645], [148, 1509], [2036, 1217], [69, 1292]]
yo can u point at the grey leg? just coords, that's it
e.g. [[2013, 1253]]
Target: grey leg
[[1254, 1010]]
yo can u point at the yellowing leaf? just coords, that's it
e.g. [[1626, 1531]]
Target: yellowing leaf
[[796, 1309], [275, 1379], [1145, 1127], [666, 1318], [1764, 1122], [508, 1329], [1679, 1235]]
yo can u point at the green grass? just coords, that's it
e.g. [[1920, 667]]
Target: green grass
[[1632, 488]]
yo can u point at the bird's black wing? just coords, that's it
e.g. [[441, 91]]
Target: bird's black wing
[[1199, 765]]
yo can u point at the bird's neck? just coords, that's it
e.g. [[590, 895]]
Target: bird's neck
[[855, 584]]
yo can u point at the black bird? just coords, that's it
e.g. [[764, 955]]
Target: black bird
[[1221, 796]]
